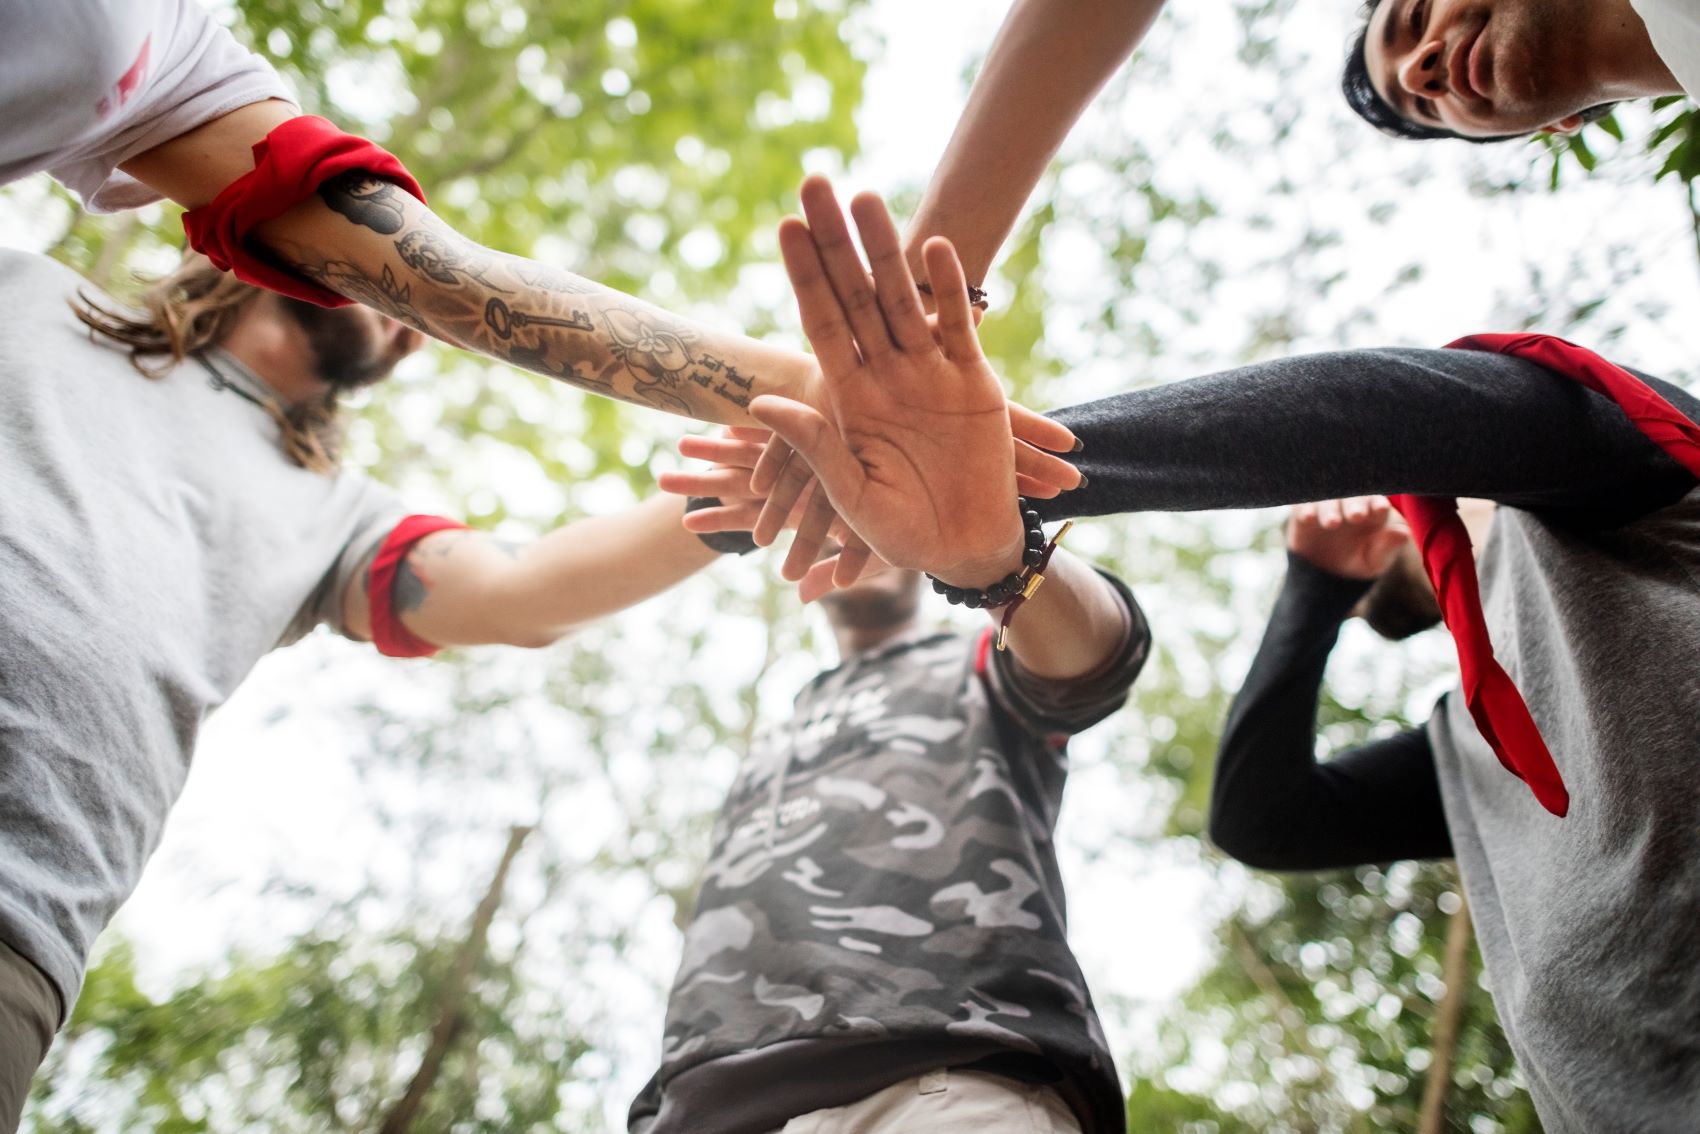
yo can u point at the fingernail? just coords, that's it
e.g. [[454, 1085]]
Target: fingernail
[[1084, 481], [1079, 444]]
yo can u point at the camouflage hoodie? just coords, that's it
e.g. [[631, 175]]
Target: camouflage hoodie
[[883, 897]]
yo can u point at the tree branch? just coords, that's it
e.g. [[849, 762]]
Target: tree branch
[[450, 1016], [1432, 1119]]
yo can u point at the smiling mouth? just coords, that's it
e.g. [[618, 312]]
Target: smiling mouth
[[1464, 68]]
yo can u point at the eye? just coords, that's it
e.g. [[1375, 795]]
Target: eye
[[1424, 108], [1418, 11]]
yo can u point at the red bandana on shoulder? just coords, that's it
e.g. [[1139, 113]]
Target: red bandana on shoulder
[[1493, 699]]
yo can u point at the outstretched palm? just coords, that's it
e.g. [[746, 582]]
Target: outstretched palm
[[917, 457]]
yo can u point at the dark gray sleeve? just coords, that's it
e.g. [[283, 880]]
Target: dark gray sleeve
[[1351, 423], [1273, 805]]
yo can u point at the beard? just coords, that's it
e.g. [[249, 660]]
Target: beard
[[871, 608], [348, 350], [1540, 54]]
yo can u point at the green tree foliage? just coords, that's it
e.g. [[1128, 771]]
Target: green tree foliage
[[322, 1036], [653, 144]]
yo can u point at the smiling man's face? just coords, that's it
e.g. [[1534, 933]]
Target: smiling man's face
[[1481, 68]]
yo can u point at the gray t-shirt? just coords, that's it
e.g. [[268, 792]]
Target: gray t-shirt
[[1590, 924], [1674, 28], [155, 542]]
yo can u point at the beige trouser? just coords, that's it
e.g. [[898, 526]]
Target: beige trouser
[[947, 1102], [29, 1015]]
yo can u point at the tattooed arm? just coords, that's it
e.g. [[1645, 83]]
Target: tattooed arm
[[466, 588], [376, 244]]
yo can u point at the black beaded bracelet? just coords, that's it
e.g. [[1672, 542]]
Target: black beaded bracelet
[[1007, 589], [726, 543]]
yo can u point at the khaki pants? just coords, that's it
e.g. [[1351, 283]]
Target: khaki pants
[[29, 1015], [947, 1102]]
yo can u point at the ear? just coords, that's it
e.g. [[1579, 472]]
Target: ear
[[1569, 124]]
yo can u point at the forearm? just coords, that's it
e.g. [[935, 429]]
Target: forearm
[[1273, 805], [1049, 59], [1437, 422], [466, 588], [374, 243], [589, 569], [1064, 703], [1073, 625]]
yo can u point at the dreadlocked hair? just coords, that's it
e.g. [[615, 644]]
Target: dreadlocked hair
[[193, 308]]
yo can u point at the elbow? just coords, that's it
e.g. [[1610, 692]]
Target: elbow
[[1251, 852], [533, 637], [1245, 831]]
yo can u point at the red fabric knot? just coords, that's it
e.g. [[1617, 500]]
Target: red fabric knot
[[290, 164], [388, 634], [1491, 696]]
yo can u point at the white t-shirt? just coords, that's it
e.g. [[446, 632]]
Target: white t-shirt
[[88, 84], [155, 543], [1674, 26]]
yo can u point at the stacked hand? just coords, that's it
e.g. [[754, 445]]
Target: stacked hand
[[1355, 538], [915, 448], [917, 456]]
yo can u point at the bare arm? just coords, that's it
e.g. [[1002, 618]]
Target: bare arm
[[374, 243], [1049, 59], [465, 588]]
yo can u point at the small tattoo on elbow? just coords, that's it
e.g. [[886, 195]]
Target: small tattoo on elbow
[[409, 590], [365, 200]]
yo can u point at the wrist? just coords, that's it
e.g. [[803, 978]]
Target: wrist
[[980, 572], [1328, 566], [802, 381]]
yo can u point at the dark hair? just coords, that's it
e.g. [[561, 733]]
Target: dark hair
[[1363, 98], [196, 307]]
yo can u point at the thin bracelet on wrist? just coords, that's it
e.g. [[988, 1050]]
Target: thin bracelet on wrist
[[726, 543], [976, 295]]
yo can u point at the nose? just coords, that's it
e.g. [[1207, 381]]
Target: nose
[[1421, 72]]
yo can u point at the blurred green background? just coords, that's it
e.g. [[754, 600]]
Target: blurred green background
[[324, 930]]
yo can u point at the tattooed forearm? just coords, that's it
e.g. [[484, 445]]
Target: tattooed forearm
[[432, 255], [381, 247], [504, 320], [384, 293], [543, 279], [366, 200]]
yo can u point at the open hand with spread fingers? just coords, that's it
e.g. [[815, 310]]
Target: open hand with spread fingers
[[917, 456]]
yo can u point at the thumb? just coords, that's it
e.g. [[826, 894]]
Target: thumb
[[817, 441]]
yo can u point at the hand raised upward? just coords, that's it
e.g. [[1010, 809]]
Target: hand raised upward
[[917, 456]]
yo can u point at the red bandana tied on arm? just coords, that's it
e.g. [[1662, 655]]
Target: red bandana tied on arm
[[290, 164], [1492, 697], [388, 634]]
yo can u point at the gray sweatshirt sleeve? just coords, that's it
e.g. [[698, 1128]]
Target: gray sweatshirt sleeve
[[1348, 423]]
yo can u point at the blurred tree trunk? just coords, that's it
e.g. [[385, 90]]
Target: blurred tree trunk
[[450, 1017], [1457, 977]]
